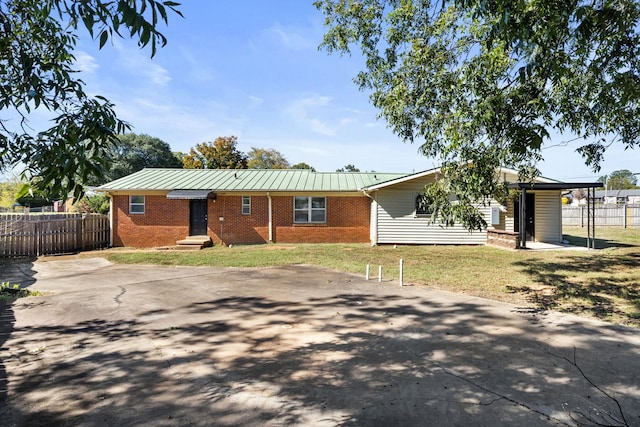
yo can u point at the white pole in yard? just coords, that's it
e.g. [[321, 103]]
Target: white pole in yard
[[367, 275], [379, 273], [401, 271]]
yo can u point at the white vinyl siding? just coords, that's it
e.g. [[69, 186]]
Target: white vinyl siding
[[398, 223], [373, 221], [394, 218], [510, 217], [548, 216]]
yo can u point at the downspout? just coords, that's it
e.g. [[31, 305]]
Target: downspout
[[373, 225], [523, 218], [270, 218], [110, 220]]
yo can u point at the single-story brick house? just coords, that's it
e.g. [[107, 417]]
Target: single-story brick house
[[157, 207]]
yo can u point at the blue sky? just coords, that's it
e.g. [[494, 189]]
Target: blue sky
[[252, 69]]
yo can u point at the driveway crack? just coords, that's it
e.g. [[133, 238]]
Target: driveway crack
[[117, 297]]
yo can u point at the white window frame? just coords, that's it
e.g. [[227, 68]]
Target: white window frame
[[134, 205], [246, 205], [310, 210]]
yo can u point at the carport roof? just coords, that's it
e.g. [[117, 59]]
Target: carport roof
[[247, 180], [554, 185]]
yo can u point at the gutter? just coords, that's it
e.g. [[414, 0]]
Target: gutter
[[110, 220]]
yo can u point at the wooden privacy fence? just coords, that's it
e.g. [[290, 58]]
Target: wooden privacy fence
[[34, 235], [606, 216]]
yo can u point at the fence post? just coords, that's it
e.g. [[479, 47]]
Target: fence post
[[37, 239], [624, 215], [79, 234]]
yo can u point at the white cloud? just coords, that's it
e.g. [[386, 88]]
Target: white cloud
[[255, 101], [138, 64], [290, 38], [182, 126], [196, 67], [302, 112], [157, 74], [85, 62]]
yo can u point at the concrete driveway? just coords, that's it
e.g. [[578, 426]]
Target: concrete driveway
[[299, 345]]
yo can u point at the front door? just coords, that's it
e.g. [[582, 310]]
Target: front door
[[529, 216], [198, 217]]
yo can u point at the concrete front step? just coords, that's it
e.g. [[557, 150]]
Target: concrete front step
[[196, 241]]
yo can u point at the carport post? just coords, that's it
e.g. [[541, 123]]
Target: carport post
[[522, 219], [367, 274], [379, 273], [401, 271]]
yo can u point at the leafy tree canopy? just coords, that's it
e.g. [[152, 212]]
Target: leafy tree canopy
[[266, 158], [222, 153], [95, 203], [619, 180], [303, 165], [348, 168], [9, 191], [481, 84], [38, 70], [131, 153]]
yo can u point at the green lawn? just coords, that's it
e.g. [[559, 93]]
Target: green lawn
[[604, 284]]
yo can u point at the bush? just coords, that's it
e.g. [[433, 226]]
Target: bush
[[94, 204]]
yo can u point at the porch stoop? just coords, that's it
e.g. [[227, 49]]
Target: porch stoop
[[195, 242]]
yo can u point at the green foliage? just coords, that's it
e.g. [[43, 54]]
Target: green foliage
[[348, 168], [97, 203], [303, 165], [10, 292], [35, 201], [262, 158], [38, 71], [619, 180], [132, 153], [437, 199], [9, 193], [482, 84], [222, 153]]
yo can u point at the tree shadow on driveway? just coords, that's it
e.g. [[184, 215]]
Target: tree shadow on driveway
[[15, 271], [291, 347]]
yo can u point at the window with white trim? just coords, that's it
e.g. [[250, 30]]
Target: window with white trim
[[309, 210], [136, 204], [246, 205]]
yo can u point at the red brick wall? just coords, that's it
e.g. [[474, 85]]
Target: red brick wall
[[166, 221], [347, 222], [237, 228], [163, 222]]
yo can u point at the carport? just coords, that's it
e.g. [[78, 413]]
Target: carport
[[555, 186]]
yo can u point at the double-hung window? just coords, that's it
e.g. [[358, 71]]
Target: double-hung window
[[309, 209], [136, 204], [246, 205]]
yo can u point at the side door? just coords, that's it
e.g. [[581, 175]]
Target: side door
[[530, 218], [198, 217]]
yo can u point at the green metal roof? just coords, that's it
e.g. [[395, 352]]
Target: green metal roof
[[236, 180]]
